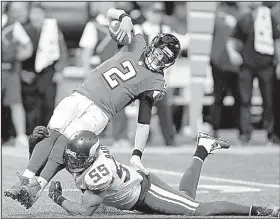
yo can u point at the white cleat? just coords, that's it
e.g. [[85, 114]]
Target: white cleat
[[210, 143]]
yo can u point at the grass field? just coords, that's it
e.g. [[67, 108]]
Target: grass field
[[246, 175]]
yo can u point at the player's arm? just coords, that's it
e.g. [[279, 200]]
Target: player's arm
[[147, 101], [90, 201], [126, 25]]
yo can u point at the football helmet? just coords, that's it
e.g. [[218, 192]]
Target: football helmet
[[81, 151], [162, 52]]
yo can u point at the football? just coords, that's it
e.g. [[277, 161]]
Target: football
[[113, 28]]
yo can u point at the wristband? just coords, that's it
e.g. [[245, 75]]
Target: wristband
[[60, 200], [122, 16], [137, 152]]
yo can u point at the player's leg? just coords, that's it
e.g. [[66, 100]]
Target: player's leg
[[230, 208], [31, 192], [205, 145], [160, 198], [93, 119], [63, 115]]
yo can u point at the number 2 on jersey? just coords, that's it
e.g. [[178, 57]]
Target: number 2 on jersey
[[95, 173], [123, 76]]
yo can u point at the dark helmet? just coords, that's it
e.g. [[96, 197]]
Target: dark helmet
[[81, 151], [169, 46]]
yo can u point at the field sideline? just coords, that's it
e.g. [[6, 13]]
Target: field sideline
[[247, 175]]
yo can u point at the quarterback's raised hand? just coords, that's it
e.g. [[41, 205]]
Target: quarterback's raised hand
[[126, 28], [55, 192], [136, 163]]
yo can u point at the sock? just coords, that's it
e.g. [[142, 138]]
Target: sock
[[43, 183], [189, 180], [42, 150], [50, 169], [201, 153], [29, 174]]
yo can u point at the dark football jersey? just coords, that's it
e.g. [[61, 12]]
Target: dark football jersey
[[118, 81]]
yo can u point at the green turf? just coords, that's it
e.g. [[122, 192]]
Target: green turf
[[257, 168]]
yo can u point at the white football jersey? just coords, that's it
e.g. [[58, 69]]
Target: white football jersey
[[122, 183]]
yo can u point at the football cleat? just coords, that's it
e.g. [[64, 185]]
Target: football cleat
[[14, 191], [210, 143], [265, 211], [29, 194]]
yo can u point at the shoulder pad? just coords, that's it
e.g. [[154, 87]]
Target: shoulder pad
[[98, 177]]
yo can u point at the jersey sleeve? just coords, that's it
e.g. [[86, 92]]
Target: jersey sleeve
[[145, 107], [98, 178]]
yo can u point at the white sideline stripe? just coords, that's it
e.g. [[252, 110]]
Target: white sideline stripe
[[171, 201], [167, 194], [217, 179]]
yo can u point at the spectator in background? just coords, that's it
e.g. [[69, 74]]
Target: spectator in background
[[251, 47], [16, 47], [96, 43], [225, 74], [275, 13], [43, 69]]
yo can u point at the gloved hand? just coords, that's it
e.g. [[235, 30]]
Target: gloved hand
[[136, 162], [55, 191], [126, 28], [39, 133]]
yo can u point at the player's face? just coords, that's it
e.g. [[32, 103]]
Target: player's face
[[156, 59]]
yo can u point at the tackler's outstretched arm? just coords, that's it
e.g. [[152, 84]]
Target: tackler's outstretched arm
[[90, 202]]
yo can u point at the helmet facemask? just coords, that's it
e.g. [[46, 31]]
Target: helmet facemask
[[156, 59], [76, 163]]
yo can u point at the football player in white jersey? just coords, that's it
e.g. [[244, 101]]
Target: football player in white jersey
[[103, 180]]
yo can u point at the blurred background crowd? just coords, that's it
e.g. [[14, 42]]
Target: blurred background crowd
[[48, 48]]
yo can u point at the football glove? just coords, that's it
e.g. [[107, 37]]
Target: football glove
[[136, 162], [55, 192], [39, 133]]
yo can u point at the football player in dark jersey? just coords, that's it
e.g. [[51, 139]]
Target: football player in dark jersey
[[134, 72]]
